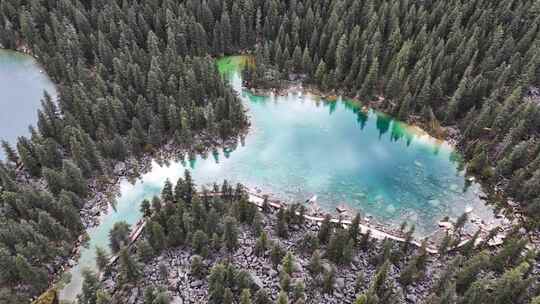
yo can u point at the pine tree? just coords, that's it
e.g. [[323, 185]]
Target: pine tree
[[199, 243], [379, 284], [307, 64], [55, 180], [77, 183], [368, 87], [119, 236], [287, 264], [338, 247], [144, 250], [276, 254], [261, 245], [119, 149], [103, 297], [145, 208], [320, 72], [405, 108], [354, 229], [129, 268], [9, 271], [102, 259], [477, 293], [326, 230], [315, 264], [262, 297], [245, 297], [282, 298], [90, 287], [341, 57], [282, 225], [156, 236], [9, 152], [28, 159], [230, 233], [196, 266], [329, 277], [467, 275], [285, 282]]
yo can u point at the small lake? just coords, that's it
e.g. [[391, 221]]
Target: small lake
[[300, 146], [22, 83]]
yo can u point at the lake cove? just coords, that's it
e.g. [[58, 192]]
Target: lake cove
[[22, 83], [300, 146]]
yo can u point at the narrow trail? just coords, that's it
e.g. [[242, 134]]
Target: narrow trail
[[258, 200], [374, 232]]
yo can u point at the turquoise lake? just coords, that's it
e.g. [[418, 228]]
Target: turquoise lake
[[300, 146], [22, 83]]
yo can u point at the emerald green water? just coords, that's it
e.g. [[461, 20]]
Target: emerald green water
[[301, 146], [22, 83]]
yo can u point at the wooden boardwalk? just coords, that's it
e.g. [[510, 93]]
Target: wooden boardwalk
[[374, 232], [258, 200]]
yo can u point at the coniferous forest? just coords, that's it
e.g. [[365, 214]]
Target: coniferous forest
[[133, 75]]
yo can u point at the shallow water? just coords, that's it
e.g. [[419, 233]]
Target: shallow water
[[22, 83], [301, 146]]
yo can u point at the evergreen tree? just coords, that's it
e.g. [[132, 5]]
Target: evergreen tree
[[119, 236], [90, 288], [102, 259], [196, 266], [10, 153], [200, 243], [354, 229], [230, 233], [326, 230], [368, 87], [129, 268], [282, 225], [282, 298], [261, 245], [315, 264], [287, 264], [156, 236], [262, 297], [245, 297]]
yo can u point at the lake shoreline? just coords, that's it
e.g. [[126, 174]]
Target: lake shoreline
[[98, 203], [103, 194], [24, 50], [449, 134]]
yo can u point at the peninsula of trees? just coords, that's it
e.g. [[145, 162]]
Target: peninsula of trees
[[215, 246]]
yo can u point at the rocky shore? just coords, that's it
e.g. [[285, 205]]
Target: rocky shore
[[184, 288]]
